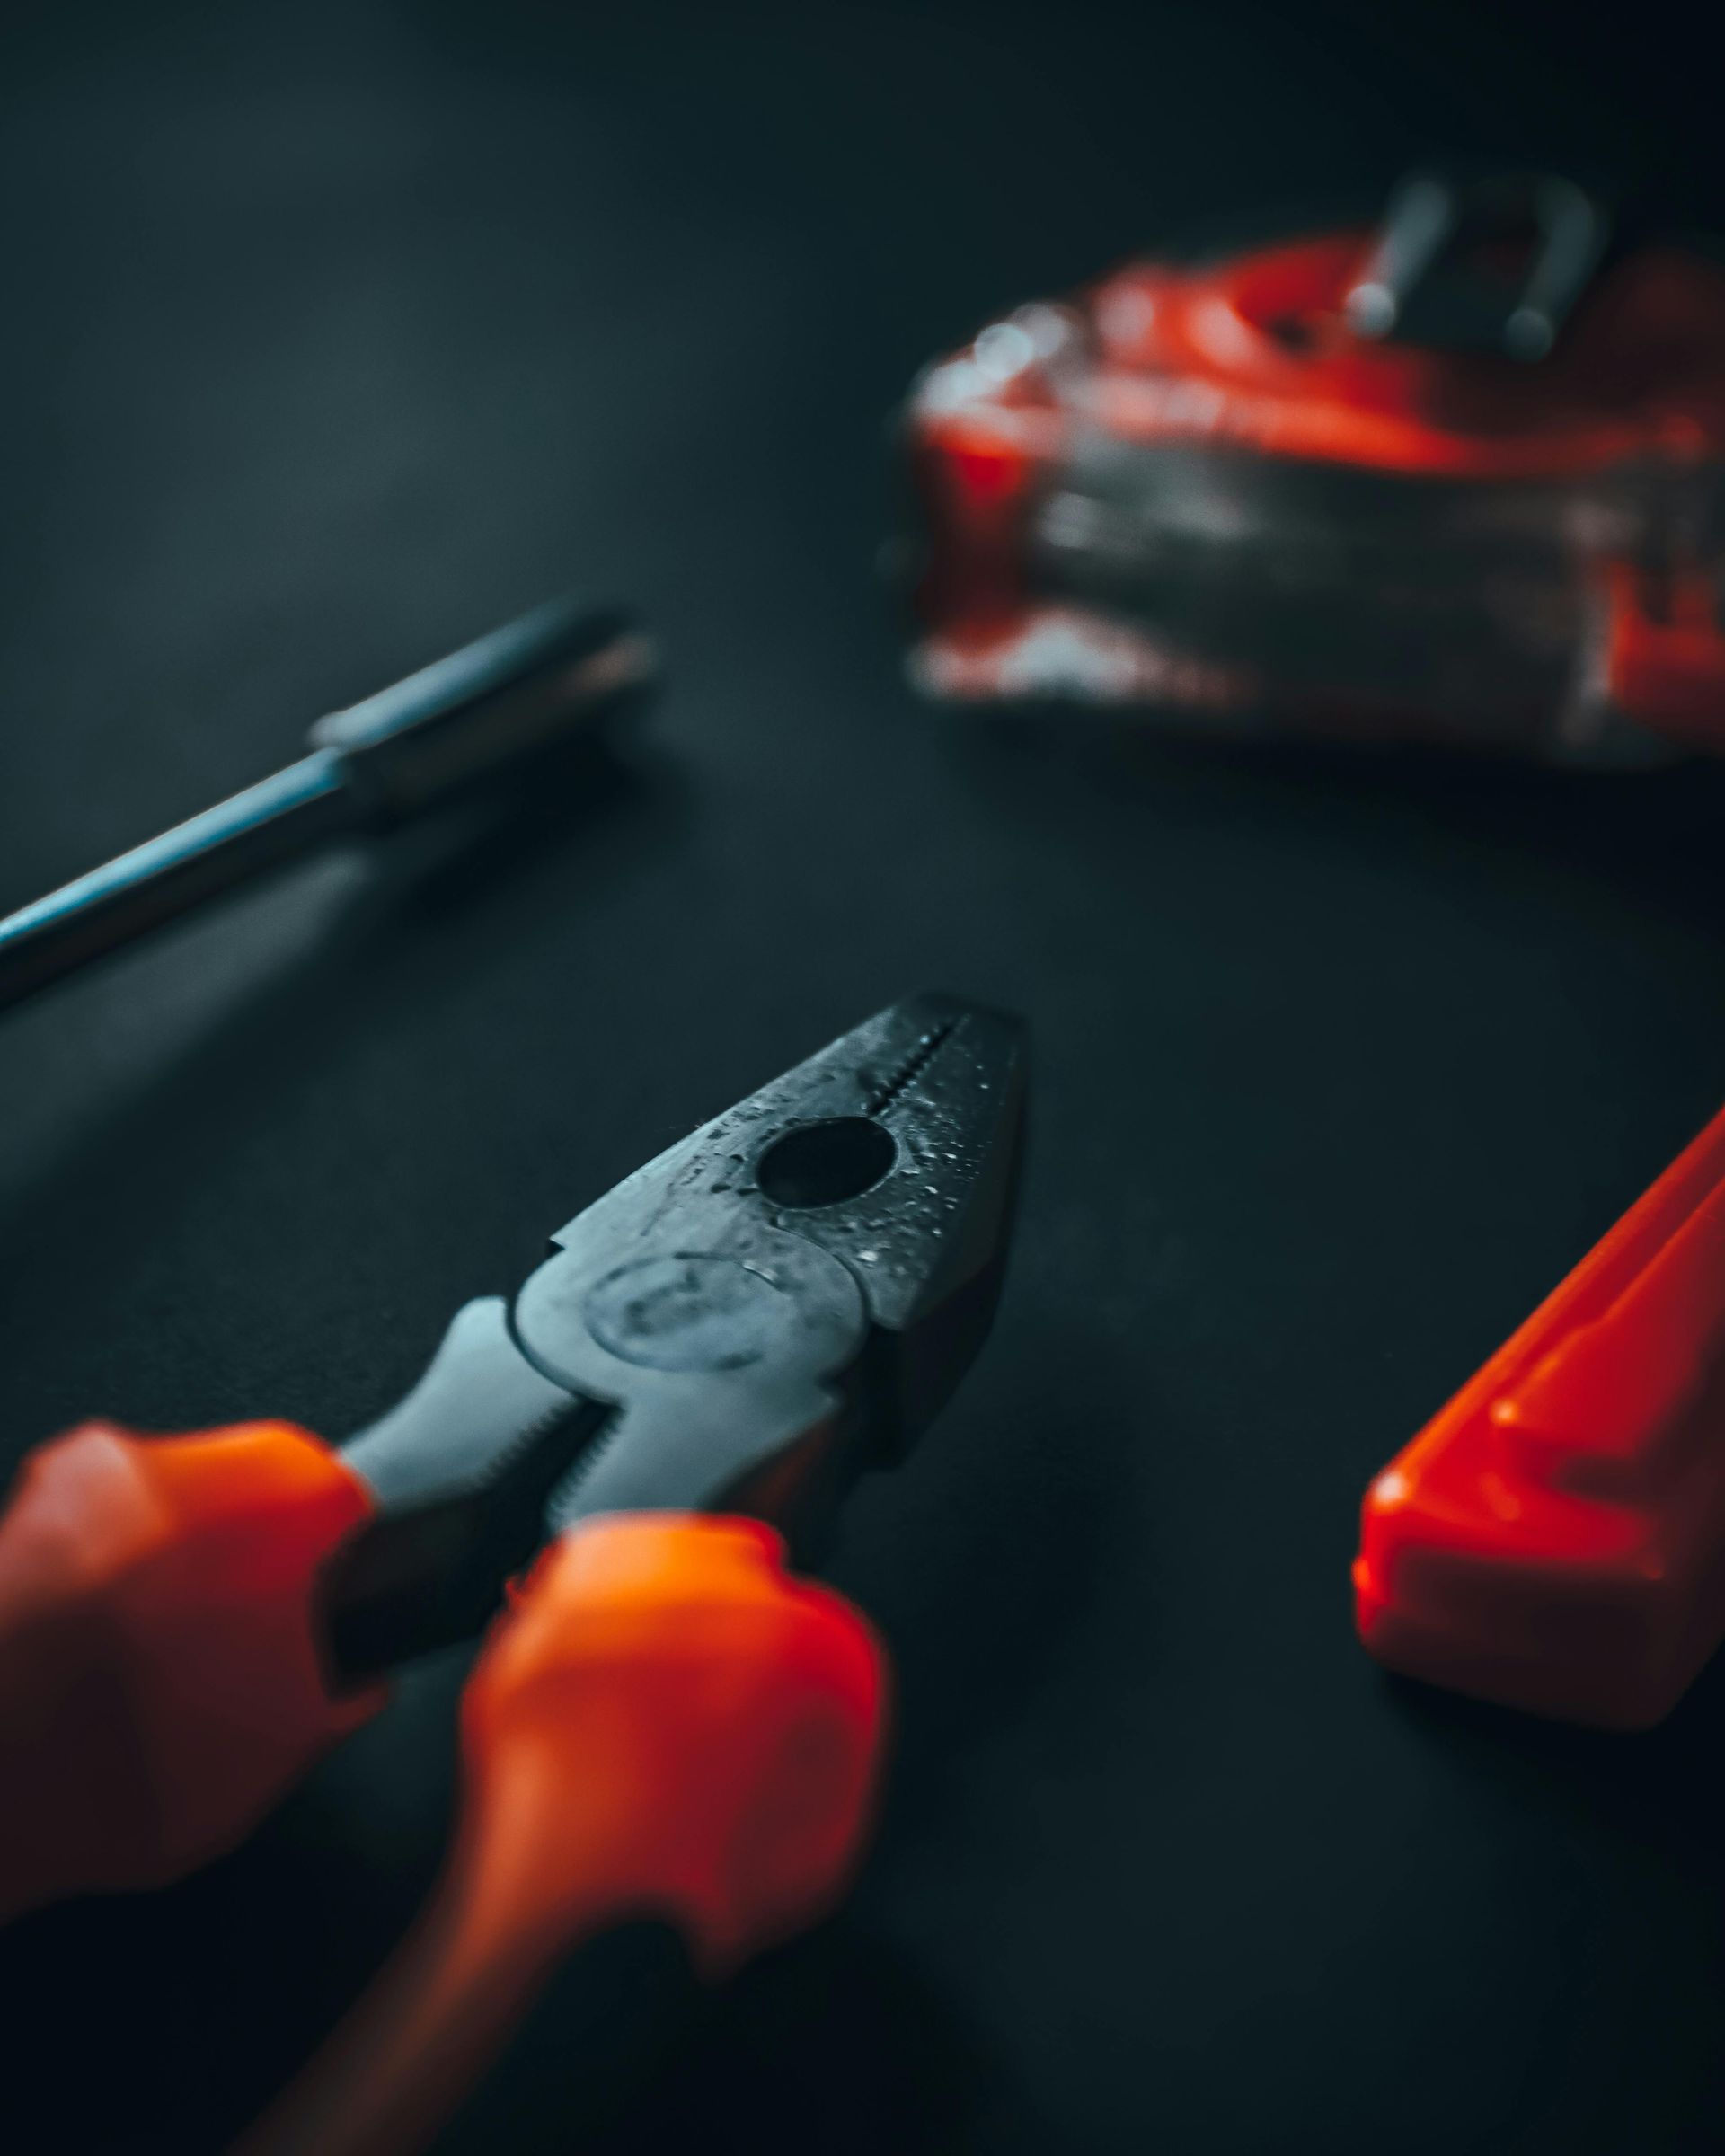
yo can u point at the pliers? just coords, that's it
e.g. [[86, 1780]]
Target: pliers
[[663, 1720]]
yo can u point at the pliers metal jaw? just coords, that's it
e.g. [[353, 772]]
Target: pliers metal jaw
[[782, 1298], [667, 1722]]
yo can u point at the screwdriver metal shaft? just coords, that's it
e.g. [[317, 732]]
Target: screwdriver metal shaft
[[558, 673]]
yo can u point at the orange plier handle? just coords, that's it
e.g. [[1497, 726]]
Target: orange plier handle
[[663, 1723]]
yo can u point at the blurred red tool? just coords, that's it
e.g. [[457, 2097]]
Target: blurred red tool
[[1554, 1538], [1462, 479], [666, 1724]]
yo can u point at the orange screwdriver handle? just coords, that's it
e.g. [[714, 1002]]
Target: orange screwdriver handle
[[666, 1725], [160, 1684]]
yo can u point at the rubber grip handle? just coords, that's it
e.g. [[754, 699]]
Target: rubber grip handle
[[160, 1682], [664, 1725]]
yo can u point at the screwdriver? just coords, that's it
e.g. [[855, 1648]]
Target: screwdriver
[[557, 675]]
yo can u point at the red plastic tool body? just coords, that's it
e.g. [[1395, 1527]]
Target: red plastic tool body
[[1211, 439], [1554, 1538]]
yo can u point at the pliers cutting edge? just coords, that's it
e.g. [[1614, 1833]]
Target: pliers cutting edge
[[664, 1721]]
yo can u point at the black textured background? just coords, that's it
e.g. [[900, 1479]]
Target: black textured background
[[333, 335]]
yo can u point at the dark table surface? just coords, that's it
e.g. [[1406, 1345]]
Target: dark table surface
[[334, 336]]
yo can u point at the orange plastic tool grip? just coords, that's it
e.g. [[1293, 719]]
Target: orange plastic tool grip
[[1554, 1538], [160, 1685], [664, 1725]]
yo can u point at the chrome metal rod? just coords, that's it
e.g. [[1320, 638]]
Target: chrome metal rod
[[473, 717], [284, 816]]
